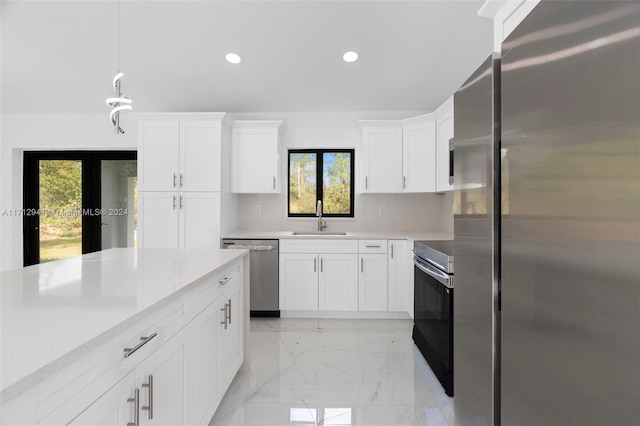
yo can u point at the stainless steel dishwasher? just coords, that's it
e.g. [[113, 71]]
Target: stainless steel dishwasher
[[264, 296]]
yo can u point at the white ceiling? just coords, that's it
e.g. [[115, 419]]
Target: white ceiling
[[61, 56]]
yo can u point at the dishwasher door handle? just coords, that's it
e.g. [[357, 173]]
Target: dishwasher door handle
[[250, 247]]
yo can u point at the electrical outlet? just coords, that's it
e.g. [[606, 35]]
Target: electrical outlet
[[382, 210], [257, 209]]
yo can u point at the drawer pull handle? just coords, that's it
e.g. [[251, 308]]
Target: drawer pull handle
[[136, 404], [143, 341], [150, 406], [372, 246], [224, 280]]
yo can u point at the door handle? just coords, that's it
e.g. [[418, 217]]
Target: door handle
[[229, 312], [361, 264], [181, 202], [225, 316], [149, 407], [274, 182], [321, 264], [180, 180], [315, 265], [392, 251], [136, 405], [174, 180], [174, 202]]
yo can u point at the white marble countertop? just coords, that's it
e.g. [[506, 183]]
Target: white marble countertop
[[359, 235], [53, 313]]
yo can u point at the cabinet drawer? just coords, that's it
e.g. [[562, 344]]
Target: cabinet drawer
[[318, 246], [212, 287], [372, 246]]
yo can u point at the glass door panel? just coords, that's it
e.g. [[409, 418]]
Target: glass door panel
[[118, 203], [60, 218]]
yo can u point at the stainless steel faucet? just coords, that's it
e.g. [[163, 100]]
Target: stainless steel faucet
[[322, 224]]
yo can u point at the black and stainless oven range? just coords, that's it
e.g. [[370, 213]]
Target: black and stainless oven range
[[433, 307]]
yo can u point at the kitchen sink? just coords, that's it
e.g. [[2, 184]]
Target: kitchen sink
[[318, 233]]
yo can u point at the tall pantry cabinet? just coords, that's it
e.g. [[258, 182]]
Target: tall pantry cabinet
[[180, 179]]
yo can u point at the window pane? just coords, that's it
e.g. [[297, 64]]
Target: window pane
[[336, 176], [302, 182]]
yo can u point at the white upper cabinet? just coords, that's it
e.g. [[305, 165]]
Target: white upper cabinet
[[200, 156], [381, 161], [399, 156], [158, 159], [419, 154], [444, 132], [179, 155], [255, 157]]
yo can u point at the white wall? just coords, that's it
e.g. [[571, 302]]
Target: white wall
[[404, 212], [46, 132]]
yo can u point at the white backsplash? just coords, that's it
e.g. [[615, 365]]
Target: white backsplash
[[403, 212]]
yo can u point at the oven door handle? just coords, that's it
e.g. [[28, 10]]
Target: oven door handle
[[433, 272]]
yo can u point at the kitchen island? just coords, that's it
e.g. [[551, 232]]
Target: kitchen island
[[73, 330]]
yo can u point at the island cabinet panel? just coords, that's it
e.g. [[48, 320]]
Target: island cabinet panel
[[169, 367], [110, 409], [230, 349]]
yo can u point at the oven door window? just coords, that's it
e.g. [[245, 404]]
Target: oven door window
[[433, 314]]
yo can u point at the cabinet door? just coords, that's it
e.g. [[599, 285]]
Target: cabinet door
[[400, 296], [200, 156], [299, 281], [231, 332], [255, 160], [160, 379], [419, 152], [382, 159], [202, 364], [338, 282], [158, 220], [444, 134], [158, 153], [112, 408], [372, 285], [199, 219]]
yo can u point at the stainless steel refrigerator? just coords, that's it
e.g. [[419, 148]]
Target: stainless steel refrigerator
[[561, 299]]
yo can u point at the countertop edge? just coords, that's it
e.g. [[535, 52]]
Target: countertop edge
[[15, 389]]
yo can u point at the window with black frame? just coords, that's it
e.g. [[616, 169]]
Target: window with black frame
[[325, 175]]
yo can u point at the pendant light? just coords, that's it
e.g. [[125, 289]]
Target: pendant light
[[120, 102]]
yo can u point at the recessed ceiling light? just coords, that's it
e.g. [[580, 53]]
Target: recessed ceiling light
[[233, 58], [350, 56]]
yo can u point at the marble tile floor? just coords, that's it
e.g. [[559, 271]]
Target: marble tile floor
[[334, 372]]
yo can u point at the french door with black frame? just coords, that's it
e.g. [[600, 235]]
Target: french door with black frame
[[77, 202]]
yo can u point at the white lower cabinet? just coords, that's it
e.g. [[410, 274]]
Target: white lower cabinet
[[318, 275], [299, 281], [372, 288], [202, 350], [346, 276], [160, 382], [400, 282], [110, 409], [177, 376], [338, 282], [230, 349]]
